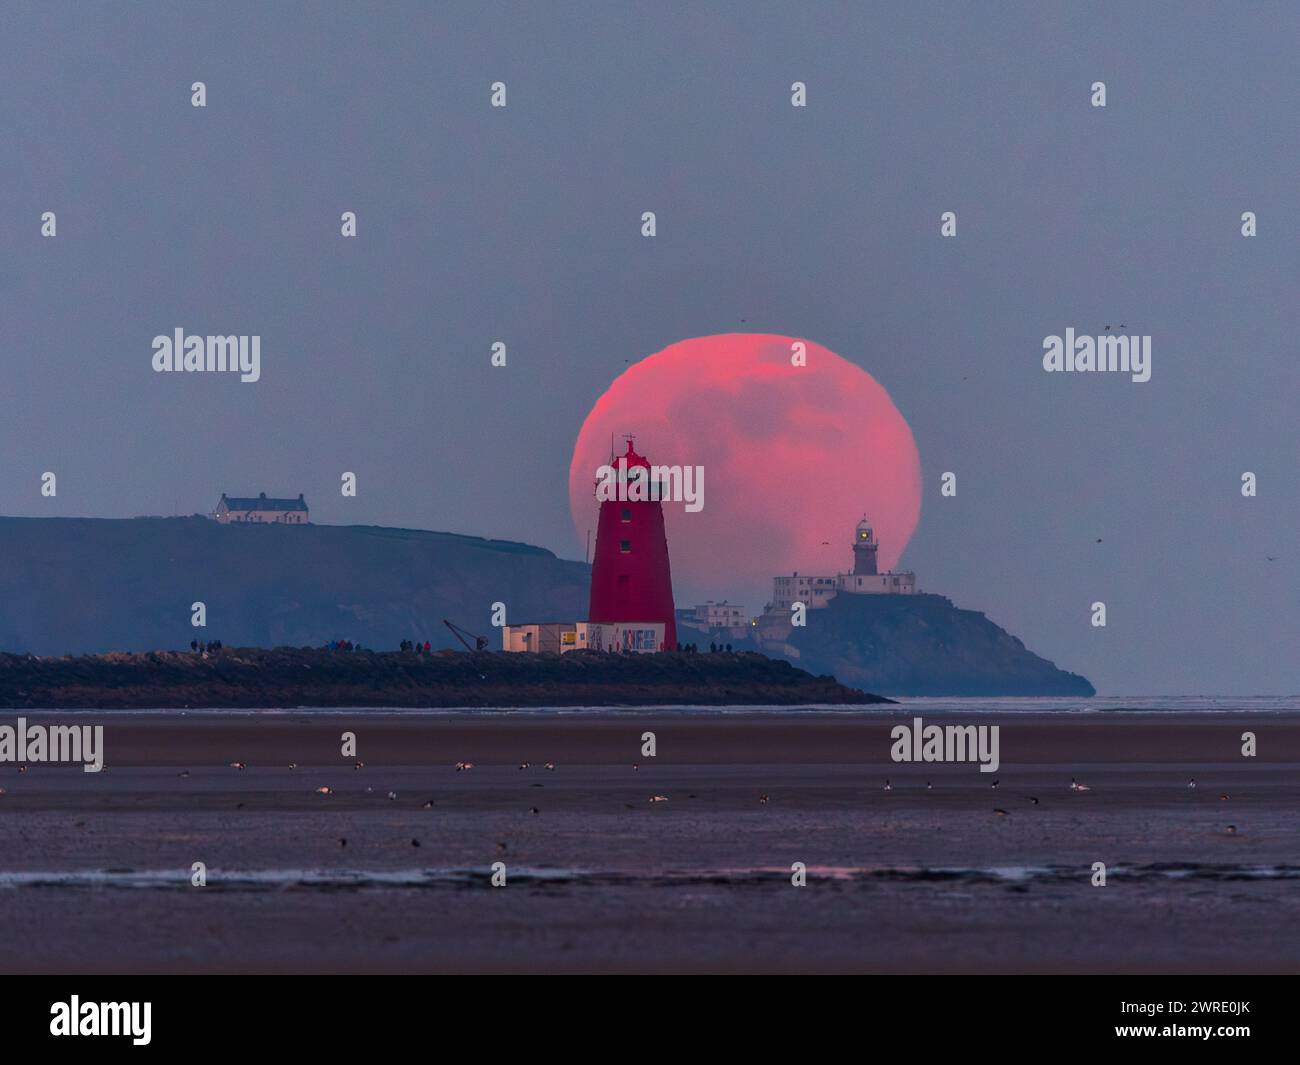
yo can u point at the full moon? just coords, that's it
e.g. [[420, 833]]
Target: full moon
[[793, 457]]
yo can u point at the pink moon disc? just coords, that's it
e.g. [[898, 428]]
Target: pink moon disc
[[793, 457]]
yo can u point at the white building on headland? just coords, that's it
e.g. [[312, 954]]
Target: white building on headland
[[231, 509], [729, 616], [816, 591]]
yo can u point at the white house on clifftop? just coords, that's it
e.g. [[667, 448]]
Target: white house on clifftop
[[231, 509]]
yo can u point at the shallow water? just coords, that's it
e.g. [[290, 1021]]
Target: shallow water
[[1252, 704]]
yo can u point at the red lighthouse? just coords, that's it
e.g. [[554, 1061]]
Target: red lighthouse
[[630, 578]]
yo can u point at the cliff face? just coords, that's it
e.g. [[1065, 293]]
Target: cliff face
[[288, 677], [923, 645], [81, 585]]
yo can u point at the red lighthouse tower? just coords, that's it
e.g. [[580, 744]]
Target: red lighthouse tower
[[630, 578]]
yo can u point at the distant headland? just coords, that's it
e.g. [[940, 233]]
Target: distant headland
[[271, 578]]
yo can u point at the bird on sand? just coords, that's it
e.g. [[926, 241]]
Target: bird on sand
[[1232, 830], [1034, 799], [889, 786], [1000, 812], [237, 765], [550, 765], [1076, 786], [763, 799], [994, 785], [534, 810], [392, 795], [428, 805], [323, 790], [658, 798], [523, 765], [1192, 784]]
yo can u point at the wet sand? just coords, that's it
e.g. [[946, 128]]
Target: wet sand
[[95, 868]]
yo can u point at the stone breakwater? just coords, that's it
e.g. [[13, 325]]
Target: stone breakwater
[[238, 678]]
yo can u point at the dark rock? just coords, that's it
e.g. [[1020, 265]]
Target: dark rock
[[254, 677], [923, 645]]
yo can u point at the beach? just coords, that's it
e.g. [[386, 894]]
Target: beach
[[390, 869]]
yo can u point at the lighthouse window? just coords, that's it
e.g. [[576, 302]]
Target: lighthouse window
[[625, 546], [627, 514]]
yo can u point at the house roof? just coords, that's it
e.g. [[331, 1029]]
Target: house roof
[[262, 502]]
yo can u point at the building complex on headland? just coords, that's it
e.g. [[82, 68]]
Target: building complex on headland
[[232, 509], [631, 606], [815, 592], [726, 619]]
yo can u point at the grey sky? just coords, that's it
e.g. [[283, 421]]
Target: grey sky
[[522, 225]]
